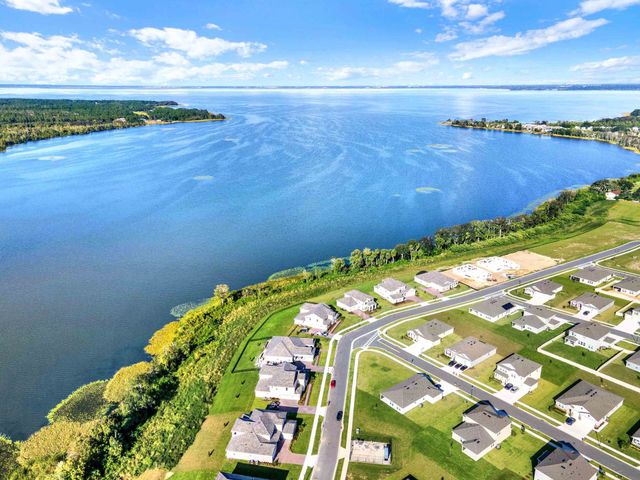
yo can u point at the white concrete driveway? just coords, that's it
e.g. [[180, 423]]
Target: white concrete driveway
[[511, 397], [629, 325], [586, 314], [539, 299], [579, 429], [416, 348]]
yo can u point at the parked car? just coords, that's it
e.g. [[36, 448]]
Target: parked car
[[570, 421], [339, 415], [452, 363], [463, 368], [333, 383], [514, 389]]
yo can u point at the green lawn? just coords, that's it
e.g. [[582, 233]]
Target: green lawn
[[303, 434], [618, 369], [421, 440], [629, 262], [580, 355]]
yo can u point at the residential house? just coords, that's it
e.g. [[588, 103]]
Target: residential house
[[482, 429], [633, 362], [591, 302], [412, 392], [632, 313], [591, 275], [316, 316], [470, 351], [629, 286], [635, 438], [547, 289], [493, 309], [364, 451], [590, 335], [536, 319], [256, 437], [285, 381], [288, 349], [394, 291], [587, 402], [518, 371], [564, 463], [472, 272], [430, 333], [355, 300], [613, 194], [436, 281]]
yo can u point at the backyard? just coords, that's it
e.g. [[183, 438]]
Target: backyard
[[421, 440]]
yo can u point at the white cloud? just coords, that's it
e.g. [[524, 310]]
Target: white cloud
[[476, 11], [418, 31], [482, 25], [46, 7], [33, 58], [447, 35], [502, 45], [213, 26], [448, 8], [467, 75], [192, 44], [395, 70], [588, 7], [411, 3], [615, 64], [303, 62]]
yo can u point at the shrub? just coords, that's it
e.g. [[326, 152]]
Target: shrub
[[83, 405], [124, 380], [51, 442], [162, 339]]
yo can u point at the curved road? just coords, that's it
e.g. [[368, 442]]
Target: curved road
[[329, 453]]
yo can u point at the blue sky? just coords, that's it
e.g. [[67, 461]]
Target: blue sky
[[321, 42]]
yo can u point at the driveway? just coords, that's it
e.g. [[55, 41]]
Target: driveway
[[417, 348], [511, 397], [285, 455], [580, 429], [586, 314], [629, 325], [539, 299]]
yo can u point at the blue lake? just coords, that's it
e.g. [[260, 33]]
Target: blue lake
[[100, 235]]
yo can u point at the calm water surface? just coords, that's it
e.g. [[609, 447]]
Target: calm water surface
[[100, 235]]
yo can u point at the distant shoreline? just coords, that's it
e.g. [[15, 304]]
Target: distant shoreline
[[510, 130]]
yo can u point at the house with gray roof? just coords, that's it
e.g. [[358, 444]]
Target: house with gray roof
[[256, 437], [394, 291], [590, 335], [633, 362], [518, 371], [591, 302], [235, 476], [629, 286], [591, 275], [536, 319], [285, 381], [482, 429], [287, 349], [355, 300], [437, 281], [317, 317], [635, 438], [412, 392], [564, 463], [494, 308], [547, 289], [470, 351], [587, 402], [430, 333]]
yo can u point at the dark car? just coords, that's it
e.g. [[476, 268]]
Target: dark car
[[452, 363], [339, 415], [508, 386], [570, 421], [463, 368]]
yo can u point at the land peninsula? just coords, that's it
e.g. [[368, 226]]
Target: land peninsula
[[174, 412], [623, 131], [24, 120]]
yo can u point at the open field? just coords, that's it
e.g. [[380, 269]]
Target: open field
[[421, 440], [629, 262]]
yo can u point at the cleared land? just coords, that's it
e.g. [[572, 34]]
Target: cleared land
[[629, 262], [421, 440]]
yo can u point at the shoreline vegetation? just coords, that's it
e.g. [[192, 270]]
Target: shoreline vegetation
[[25, 120], [147, 415], [160, 404], [623, 131]]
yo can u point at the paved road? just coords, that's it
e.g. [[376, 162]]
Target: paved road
[[514, 412], [329, 452]]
